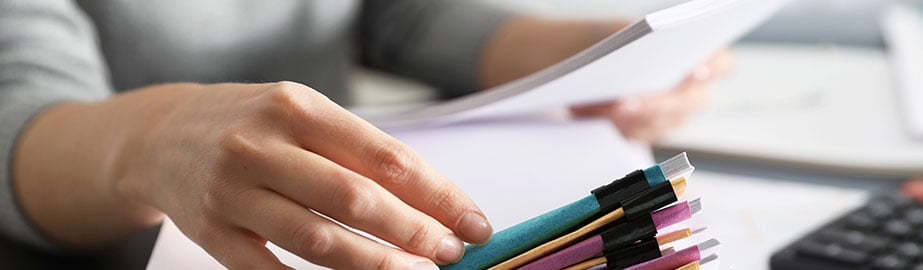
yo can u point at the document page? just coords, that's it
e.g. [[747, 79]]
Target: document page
[[652, 55]]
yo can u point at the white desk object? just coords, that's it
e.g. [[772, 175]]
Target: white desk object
[[824, 108], [902, 28]]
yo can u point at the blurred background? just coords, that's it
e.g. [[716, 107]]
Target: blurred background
[[821, 113]]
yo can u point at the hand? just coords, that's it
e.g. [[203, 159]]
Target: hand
[[235, 165], [914, 188], [648, 118]]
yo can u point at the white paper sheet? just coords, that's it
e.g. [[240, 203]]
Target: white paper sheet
[[652, 55], [513, 168]]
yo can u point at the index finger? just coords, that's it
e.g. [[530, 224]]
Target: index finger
[[327, 129]]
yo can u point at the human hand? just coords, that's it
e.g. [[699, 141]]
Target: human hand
[[235, 165], [914, 188], [648, 118]]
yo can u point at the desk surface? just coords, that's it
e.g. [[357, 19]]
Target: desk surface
[[756, 209]]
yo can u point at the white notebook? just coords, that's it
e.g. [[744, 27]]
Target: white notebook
[[653, 54]]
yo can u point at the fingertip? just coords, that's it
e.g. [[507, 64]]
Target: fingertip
[[451, 249], [474, 228]]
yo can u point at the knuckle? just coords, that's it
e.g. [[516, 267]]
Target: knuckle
[[293, 99], [356, 201], [420, 239], [286, 92], [313, 241], [240, 142], [395, 163], [384, 262], [241, 151], [444, 200]]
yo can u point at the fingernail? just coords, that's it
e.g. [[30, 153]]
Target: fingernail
[[427, 265], [450, 250], [474, 228], [701, 73]]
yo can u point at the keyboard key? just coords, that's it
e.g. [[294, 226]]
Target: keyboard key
[[861, 221], [910, 250], [853, 239], [833, 252], [914, 216], [880, 210], [888, 262], [898, 200], [898, 228]]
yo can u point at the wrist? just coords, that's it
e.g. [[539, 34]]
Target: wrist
[[134, 171], [61, 166]]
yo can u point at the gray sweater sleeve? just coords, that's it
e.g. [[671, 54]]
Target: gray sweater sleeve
[[48, 54], [436, 41]]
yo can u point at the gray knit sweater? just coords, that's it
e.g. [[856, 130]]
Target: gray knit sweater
[[57, 50]]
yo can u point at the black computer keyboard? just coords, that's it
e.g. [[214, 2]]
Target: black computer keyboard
[[886, 233]]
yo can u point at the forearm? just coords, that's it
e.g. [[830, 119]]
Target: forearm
[[64, 165], [524, 45]]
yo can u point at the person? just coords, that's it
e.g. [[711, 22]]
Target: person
[[101, 138]]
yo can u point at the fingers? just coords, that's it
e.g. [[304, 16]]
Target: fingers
[[913, 188], [648, 118], [316, 239], [320, 184], [324, 128], [662, 113]]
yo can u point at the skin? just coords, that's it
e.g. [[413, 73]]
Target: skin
[[236, 165], [914, 188], [526, 45]]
